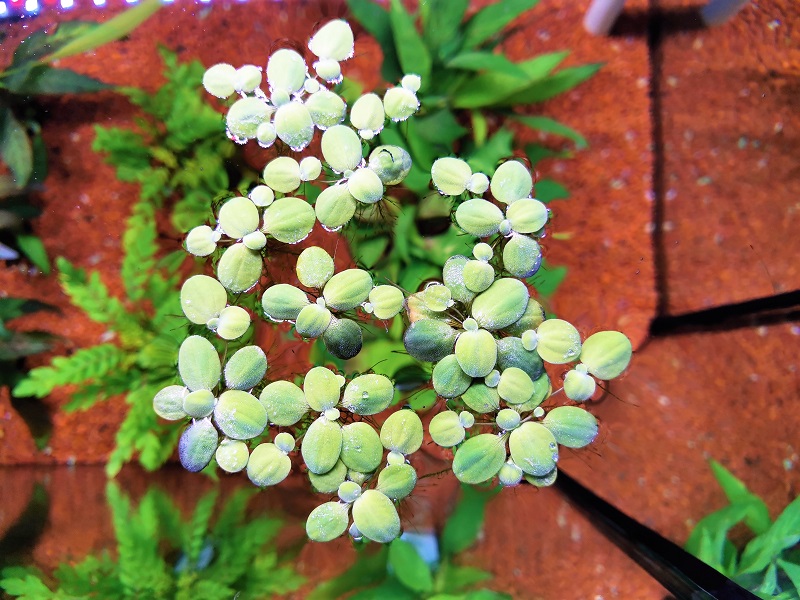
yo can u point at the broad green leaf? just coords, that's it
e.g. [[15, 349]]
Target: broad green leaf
[[489, 21], [792, 571], [375, 19], [486, 158], [549, 125], [411, 50], [113, 29], [783, 533], [45, 80], [368, 569], [389, 589], [547, 279], [454, 578], [441, 22], [536, 153], [40, 43], [33, 248], [487, 61], [409, 567], [556, 84], [490, 89], [758, 517], [708, 539], [15, 147], [548, 190], [465, 522]]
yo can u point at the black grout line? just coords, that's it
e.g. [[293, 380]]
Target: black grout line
[[770, 310], [655, 36]]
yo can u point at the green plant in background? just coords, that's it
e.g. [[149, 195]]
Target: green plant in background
[[31, 75], [177, 153], [231, 558], [469, 87], [421, 566], [180, 158], [478, 335], [769, 564], [146, 339]]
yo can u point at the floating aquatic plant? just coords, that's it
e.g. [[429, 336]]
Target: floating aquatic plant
[[486, 338]]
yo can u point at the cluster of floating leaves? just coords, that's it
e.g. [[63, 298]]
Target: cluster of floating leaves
[[487, 338]]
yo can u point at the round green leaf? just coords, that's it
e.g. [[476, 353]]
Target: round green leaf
[[368, 394], [197, 445], [361, 447], [268, 465], [402, 432], [244, 117], [479, 217], [429, 340], [312, 321], [246, 368], [559, 342], [479, 458], [240, 415], [607, 354], [286, 71], [232, 455], [341, 148], [515, 386], [449, 379], [511, 181], [390, 163], [326, 108], [335, 206], [446, 429], [284, 402], [501, 305], [376, 517], [282, 174], [314, 267], [450, 176], [233, 322], [579, 386], [198, 364], [283, 302], [347, 289], [481, 398], [527, 215], [168, 402], [202, 298], [327, 522], [572, 426], [397, 481], [238, 217], [289, 220], [343, 338], [476, 352], [322, 445], [328, 483], [294, 126], [522, 256], [239, 269], [511, 353], [322, 389], [533, 448]]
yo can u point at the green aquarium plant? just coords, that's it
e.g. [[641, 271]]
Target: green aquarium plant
[[138, 359], [160, 554], [32, 76], [179, 157], [477, 332], [422, 565], [175, 153], [769, 563], [468, 91]]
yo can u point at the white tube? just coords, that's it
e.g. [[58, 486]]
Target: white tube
[[602, 15]]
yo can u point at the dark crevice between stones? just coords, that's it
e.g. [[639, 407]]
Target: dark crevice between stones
[[655, 35], [683, 575], [772, 310]]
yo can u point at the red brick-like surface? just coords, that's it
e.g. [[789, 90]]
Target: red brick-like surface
[[729, 123], [731, 179]]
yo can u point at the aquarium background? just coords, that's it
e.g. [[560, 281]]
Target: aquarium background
[[679, 229]]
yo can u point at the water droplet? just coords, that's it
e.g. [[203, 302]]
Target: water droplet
[[365, 395]]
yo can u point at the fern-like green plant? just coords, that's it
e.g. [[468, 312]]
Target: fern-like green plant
[[769, 564], [231, 558], [176, 153], [141, 359], [179, 158]]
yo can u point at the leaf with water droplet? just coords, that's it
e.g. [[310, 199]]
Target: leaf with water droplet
[[572, 426], [479, 458], [240, 415], [268, 465], [361, 447], [533, 448], [376, 517], [198, 363], [607, 354]]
